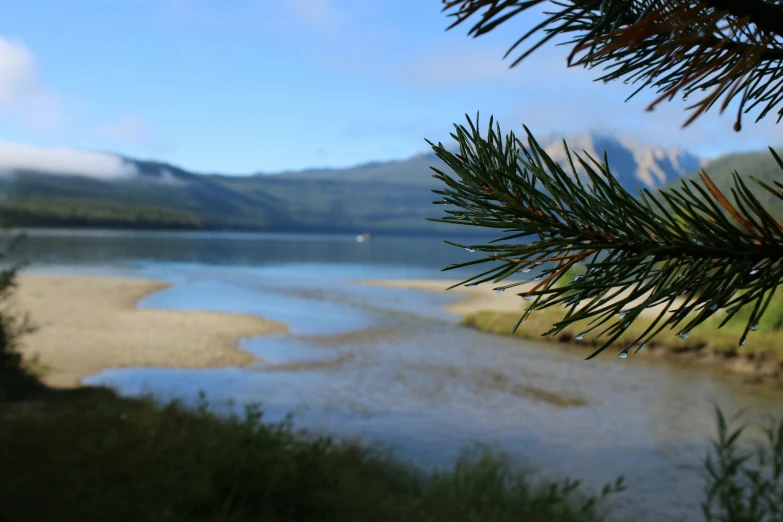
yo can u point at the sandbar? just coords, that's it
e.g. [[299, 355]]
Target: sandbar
[[88, 324]]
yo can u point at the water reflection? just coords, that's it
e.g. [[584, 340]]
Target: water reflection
[[400, 254]]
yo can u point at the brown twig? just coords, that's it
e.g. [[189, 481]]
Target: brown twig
[[713, 189]]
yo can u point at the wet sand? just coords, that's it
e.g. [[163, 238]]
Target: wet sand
[[88, 324]]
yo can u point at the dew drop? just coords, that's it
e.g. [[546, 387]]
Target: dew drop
[[527, 297], [537, 278], [754, 272], [742, 341], [712, 308], [683, 335], [580, 336], [624, 354], [577, 278], [500, 290], [626, 324], [527, 269], [754, 327], [622, 314], [470, 249], [528, 310], [471, 286], [641, 347]]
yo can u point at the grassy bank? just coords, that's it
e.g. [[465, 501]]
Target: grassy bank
[[762, 355], [87, 454]]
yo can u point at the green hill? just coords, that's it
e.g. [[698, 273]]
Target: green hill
[[760, 164], [381, 197], [164, 196]]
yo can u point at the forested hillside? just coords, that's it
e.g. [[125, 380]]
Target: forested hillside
[[392, 197]]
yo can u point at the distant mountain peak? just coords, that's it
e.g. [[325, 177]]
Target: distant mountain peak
[[632, 161]]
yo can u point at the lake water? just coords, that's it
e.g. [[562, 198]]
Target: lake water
[[389, 365]]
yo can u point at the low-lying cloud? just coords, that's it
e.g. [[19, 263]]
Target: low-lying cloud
[[15, 157]]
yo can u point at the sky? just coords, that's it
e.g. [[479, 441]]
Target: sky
[[244, 86]]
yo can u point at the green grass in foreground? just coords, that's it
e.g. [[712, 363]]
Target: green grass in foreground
[[766, 342], [87, 454]]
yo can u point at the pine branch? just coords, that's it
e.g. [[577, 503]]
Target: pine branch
[[733, 49], [696, 243], [767, 16]]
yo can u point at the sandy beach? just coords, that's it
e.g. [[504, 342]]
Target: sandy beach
[[88, 324], [481, 298], [471, 299]]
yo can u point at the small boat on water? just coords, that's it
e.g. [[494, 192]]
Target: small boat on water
[[363, 238]]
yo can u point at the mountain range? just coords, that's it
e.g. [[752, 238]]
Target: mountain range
[[381, 197]]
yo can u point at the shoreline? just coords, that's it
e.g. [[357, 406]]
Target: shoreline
[[479, 299], [482, 309], [87, 324]]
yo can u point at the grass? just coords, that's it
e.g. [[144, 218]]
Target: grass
[[764, 344], [88, 454]]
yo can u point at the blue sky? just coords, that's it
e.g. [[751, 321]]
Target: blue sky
[[243, 86]]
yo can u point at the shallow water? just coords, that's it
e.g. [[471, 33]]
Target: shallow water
[[389, 365]]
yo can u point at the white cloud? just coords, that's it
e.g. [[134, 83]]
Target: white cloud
[[130, 131], [551, 97], [22, 92], [322, 14], [18, 156], [442, 67]]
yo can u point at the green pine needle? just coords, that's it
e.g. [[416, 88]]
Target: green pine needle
[[695, 246]]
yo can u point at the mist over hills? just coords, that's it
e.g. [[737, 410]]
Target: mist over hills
[[381, 197]]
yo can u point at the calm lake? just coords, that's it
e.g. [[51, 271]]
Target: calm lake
[[390, 366]]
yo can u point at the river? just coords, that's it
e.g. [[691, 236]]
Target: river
[[391, 366]]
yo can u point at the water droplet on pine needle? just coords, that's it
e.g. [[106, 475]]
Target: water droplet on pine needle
[[471, 286], [580, 336], [641, 347], [683, 335], [470, 249], [500, 290], [527, 269], [527, 297], [754, 327], [624, 354]]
